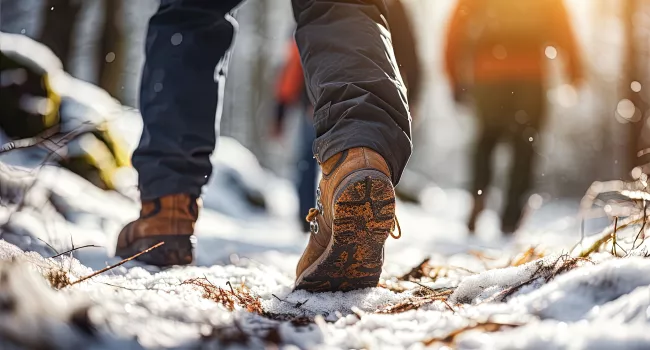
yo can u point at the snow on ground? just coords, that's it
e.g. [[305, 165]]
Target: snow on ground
[[603, 304], [471, 292]]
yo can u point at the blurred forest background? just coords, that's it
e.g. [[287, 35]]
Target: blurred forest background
[[592, 134]]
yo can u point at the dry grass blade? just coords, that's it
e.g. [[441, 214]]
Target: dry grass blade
[[240, 296], [614, 236], [425, 269], [531, 254], [615, 239], [642, 229], [73, 249], [425, 296], [57, 278], [481, 255], [509, 291], [417, 272], [607, 235], [393, 285], [412, 304], [488, 326]]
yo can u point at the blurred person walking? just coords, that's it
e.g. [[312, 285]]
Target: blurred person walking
[[291, 92], [361, 120], [497, 52]]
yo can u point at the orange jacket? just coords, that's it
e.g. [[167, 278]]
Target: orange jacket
[[505, 40], [291, 81]]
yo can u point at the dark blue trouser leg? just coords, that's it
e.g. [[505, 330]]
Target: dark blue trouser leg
[[185, 52], [308, 171]]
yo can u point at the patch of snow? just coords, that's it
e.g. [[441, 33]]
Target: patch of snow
[[477, 288], [571, 296], [560, 335], [32, 315]]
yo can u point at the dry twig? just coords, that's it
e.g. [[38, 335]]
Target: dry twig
[[116, 265]]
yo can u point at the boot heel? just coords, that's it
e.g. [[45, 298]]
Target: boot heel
[[177, 250], [364, 214]]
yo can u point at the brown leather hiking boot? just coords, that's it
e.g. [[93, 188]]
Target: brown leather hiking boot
[[168, 219], [355, 215]]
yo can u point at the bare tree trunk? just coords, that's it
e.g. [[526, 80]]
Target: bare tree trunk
[[112, 48], [606, 94], [258, 81], [57, 33], [633, 76]]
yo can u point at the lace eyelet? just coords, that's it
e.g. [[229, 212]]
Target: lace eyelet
[[313, 227]]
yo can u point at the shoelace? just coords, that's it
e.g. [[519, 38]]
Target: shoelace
[[313, 213]]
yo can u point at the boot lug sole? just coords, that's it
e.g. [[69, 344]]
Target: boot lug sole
[[364, 213]]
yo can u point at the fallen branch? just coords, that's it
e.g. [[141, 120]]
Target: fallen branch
[[116, 265]]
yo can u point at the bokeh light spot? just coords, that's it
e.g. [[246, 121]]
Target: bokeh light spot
[[626, 109], [177, 39], [551, 52]]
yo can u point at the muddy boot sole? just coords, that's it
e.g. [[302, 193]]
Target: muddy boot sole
[[364, 214], [177, 250]]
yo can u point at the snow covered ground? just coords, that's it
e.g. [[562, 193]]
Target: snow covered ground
[[600, 303], [440, 287]]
